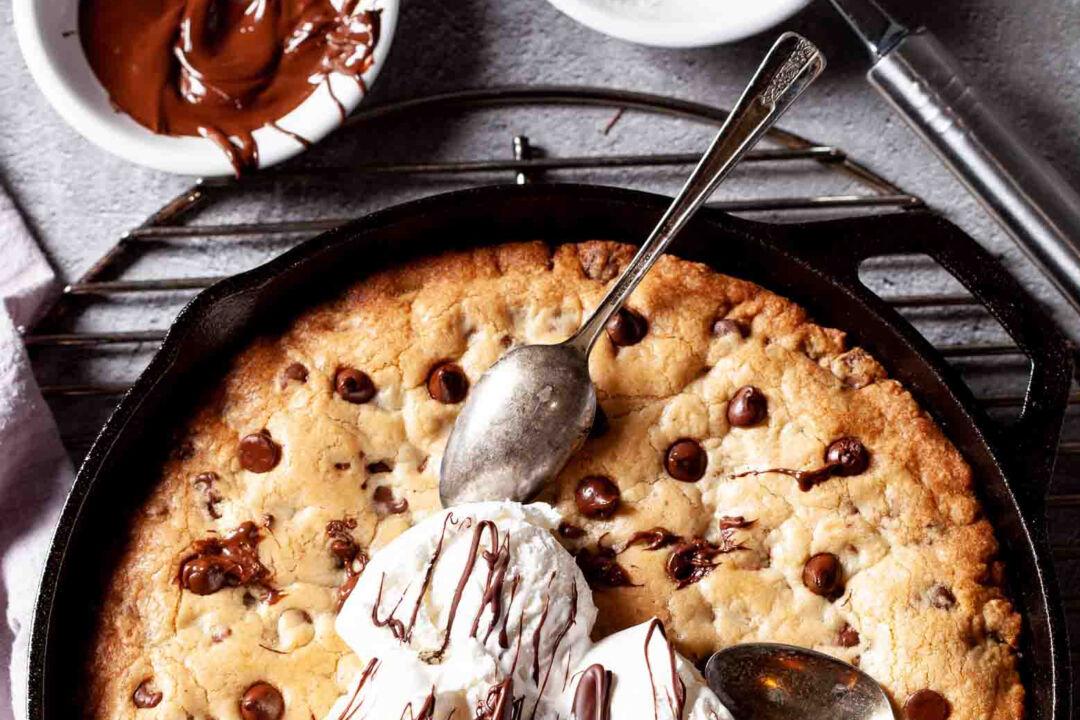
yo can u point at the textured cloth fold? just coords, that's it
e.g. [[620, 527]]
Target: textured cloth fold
[[35, 472]]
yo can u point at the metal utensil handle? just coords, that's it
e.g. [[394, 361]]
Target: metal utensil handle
[[789, 68], [1027, 196]]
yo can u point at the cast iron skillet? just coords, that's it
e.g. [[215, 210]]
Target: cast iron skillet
[[814, 264]]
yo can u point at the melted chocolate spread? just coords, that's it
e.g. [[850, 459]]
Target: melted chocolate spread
[[231, 561], [222, 68]]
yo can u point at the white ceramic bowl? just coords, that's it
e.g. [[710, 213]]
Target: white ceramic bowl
[[55, 57], [680, 23]]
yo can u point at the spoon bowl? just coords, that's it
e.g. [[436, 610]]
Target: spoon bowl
[[518, 426], [768, 681]]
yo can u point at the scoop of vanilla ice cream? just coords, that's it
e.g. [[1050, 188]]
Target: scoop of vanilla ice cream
[[644, 669], [476, 594], [398, 685]]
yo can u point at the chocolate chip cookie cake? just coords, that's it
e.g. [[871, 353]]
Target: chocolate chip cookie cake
[[749, 478]]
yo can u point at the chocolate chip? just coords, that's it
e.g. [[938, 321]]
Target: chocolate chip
[[848, 456], [727, 326], [596, 496], [602, 569], [926, 705], [204, 575], [353, 385], [259, 453], [262, 701], [942, 597], [295, 372], [823, 575], [747, 407], [447, 383], [570, 531], [848, 636], [627, 327], [692, 560], [387, 503], [377, 467], [342, 465], [600, 424], [686, 460], [146, 695]]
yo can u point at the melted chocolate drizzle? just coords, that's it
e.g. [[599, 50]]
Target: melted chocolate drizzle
[[355, 701], [499, 703], [348, 553], [592, 699], [676, 696], [843, 457], [652, 539]]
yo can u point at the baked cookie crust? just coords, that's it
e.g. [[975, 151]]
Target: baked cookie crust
[[322, 444]]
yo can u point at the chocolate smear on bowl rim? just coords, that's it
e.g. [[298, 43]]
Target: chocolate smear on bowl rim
[[222, 70], [843, 457]]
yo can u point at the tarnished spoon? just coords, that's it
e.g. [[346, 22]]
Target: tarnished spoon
[[533, 408], [765, 681]]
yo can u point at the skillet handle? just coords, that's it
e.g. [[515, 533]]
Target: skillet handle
[[1032, 440]]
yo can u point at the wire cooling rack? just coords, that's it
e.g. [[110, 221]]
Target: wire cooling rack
[[118, 310]]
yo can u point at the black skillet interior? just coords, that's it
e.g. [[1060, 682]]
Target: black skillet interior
[[815, 264]]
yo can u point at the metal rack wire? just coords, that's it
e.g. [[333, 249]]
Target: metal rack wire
[[175, 225]]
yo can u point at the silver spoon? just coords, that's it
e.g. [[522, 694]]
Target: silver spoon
[[766, 681], [533, 408]]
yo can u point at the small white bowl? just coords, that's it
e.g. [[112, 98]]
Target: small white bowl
[[48, 38], [680, 23]]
